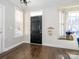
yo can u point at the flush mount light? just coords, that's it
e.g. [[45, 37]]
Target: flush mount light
[[24, 2]]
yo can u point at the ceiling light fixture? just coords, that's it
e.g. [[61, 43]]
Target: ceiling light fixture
[[24, 2]]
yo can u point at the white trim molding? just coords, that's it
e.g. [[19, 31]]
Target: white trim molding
[[6, 49], [3, 28]]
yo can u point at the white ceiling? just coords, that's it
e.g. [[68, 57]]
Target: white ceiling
[[40, 4]]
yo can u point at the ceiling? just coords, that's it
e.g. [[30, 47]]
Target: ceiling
[[36, 5]]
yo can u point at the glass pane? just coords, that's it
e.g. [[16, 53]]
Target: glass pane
[[72, 23], [18, 22]]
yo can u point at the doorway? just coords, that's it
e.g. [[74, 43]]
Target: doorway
[[36, 29]]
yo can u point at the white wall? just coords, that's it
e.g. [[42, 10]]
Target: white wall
[[10, 40]]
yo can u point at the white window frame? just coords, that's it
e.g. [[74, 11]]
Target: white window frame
[[18, 19], [63, 17]]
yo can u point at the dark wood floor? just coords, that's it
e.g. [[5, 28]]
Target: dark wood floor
[[31, 51]]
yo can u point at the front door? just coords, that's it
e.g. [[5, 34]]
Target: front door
[[36, 29]]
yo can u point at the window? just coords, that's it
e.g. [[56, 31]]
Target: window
[[18, 22], [69, 20]]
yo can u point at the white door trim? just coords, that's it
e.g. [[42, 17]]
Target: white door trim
[[3, 31]]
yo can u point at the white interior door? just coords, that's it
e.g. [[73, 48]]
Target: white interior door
[[1, 28]]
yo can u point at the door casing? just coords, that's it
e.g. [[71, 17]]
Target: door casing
[[3, 29]]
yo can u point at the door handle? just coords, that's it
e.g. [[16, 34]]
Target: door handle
[[40, 32]]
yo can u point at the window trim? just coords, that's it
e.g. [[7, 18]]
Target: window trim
[[64, 11], [15, 35]]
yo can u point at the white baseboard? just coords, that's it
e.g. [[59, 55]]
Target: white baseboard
[[6, 49]]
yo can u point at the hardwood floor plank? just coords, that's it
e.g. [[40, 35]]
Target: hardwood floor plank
[[32, 51]]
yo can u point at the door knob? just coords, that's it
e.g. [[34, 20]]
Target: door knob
[[40, 32]]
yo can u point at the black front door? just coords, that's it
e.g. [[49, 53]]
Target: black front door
[[36, 29]]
